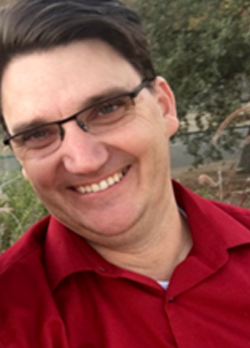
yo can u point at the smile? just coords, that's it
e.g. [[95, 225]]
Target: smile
[[103, 184]]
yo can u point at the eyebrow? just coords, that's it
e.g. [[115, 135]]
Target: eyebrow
[[109, 94], [26, 126], [39, 121]]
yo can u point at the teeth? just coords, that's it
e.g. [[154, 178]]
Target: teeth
[[102, 185], [81, 189], [95, 187], [116, 177], [110, 181], [88, 188]]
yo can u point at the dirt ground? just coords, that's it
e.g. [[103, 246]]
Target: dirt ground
[[218, 181]]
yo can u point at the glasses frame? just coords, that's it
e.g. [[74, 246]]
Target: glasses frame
[[132, 95]]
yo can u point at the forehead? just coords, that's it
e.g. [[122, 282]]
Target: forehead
[[40, 84]]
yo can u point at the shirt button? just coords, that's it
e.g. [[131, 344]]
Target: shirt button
[[101, 269], [171, 299]]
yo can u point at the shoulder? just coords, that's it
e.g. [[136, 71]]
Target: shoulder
[[222, 223], [27, 302], [186, 198], [242, 215], [29, 246]]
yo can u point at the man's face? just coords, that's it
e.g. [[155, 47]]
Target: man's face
[[52, 85]]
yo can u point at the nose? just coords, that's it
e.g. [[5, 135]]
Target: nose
[[81, 152]]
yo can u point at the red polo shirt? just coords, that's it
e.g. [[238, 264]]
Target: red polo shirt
[[57, 292]]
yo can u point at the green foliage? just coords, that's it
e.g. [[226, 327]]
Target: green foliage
[[19, 208], [202, 48]]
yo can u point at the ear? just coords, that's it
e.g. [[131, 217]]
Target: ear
[[23, 171], [25, 175], [166, 101]]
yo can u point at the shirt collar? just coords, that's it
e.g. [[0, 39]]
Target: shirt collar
[[215, 227], [67, 253]]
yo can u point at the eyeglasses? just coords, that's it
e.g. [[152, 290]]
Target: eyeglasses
[[102, 117]]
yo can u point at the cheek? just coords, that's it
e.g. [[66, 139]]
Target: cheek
[[39, 175], [146, 140], [149, 132]]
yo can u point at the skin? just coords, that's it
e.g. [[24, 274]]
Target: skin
[[134, 224]]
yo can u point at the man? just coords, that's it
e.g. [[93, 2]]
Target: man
[[124, 259]]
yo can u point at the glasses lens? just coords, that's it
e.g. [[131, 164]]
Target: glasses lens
[[107, 115], [37, 142]]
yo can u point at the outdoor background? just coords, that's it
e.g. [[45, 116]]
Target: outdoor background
[[202, 49]]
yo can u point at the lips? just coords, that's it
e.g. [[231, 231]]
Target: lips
[[103, 184]]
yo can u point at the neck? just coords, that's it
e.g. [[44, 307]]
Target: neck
[[159, 254]]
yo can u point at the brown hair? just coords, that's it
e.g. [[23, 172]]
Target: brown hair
[[31, 25]]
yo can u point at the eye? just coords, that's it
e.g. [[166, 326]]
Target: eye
[[108, 108], [38, 137], [36, 134], [108, 111]]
